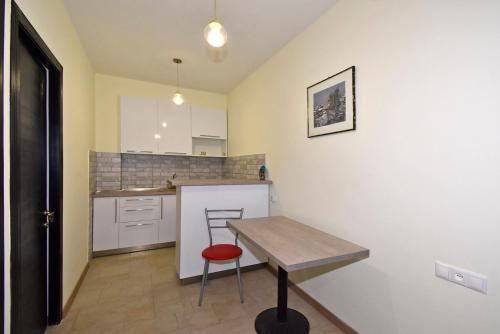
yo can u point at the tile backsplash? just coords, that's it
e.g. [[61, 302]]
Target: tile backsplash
[[92, 171], [153, 170], [108, 174], [92, 189], [244, 166], [122, 171]]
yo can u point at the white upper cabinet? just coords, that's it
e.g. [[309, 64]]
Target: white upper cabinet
[[208, 123], [160, 127], [174, 123], [139, 125]]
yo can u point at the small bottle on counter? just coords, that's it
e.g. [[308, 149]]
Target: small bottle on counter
[[262, 173]]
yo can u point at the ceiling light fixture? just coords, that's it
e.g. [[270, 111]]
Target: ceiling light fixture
[[214, 32], [178, 99]]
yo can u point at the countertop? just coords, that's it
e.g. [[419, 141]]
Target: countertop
[[172, 191], [135, 192], [216, 182]]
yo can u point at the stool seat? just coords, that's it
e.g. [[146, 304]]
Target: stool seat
[[222, 252]]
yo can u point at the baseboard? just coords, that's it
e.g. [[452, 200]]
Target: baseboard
[[345, 328], [223, 273], [72, 297], [133, 249]]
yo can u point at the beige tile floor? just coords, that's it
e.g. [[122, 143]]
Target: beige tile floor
[[139, 293]]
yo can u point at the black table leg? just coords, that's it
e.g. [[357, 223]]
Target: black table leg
[[281, 320]]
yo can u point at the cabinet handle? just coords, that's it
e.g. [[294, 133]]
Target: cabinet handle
[[138, 199], [130, 151], [161, 208], [138, 225], [133, 210], [146, 151], [179, 153], [116, 210], [209, 136]]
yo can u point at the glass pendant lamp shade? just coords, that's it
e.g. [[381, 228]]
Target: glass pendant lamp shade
[[178, 99], [215, 34]]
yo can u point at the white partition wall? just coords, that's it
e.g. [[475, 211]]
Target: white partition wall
[[192, 226]]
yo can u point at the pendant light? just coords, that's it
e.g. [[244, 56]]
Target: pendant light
[[178, 99], [214, 32]]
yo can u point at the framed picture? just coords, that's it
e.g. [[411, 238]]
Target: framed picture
[[331, 105]]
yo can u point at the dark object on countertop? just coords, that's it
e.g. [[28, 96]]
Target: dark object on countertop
[[262, 172]]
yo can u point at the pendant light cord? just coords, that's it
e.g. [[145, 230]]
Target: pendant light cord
[[215, 10], [177, 77]]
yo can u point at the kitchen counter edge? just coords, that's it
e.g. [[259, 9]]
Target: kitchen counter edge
[[124, 193], [218, 182]]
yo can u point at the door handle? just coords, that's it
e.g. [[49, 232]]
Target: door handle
[[137, 225], [210, 136], [116, 210], [49, 218]]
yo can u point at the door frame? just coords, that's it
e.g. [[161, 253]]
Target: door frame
[[21, 28], [2, 224]]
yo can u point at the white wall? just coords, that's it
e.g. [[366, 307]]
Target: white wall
[[52, 22], [418, 181]]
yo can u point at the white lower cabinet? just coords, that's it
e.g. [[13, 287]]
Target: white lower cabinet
[[138, 233], [133, 221], [168, 219], [106, 223], [140, 213]]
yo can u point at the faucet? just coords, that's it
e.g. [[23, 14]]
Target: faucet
[[169, 181]]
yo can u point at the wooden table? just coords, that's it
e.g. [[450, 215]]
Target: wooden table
[[293, 246]]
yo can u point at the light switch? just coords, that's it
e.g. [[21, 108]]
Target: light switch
[[441, 271], [461, 276]]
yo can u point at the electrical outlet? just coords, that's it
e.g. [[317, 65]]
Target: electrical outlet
[[461, 276]]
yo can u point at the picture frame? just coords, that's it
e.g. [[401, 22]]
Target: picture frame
[[331, 104]]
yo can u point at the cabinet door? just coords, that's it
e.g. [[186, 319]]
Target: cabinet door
[[208, 123], [168, 219], [139, 125], [138, 233], [174, 125], [105, 224]]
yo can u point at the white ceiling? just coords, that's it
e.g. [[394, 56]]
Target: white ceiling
[[138, 38]]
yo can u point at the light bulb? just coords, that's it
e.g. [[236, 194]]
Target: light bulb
[[164, 124], [215, 34], [178, 99]]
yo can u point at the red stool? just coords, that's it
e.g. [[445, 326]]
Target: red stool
[[221, 252]]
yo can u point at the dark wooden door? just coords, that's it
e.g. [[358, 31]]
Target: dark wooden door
[[29, 145]]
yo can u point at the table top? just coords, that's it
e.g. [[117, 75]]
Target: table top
[[294, 246]]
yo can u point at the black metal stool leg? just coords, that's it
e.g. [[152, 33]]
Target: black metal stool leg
[[203, 281], [240, 287]]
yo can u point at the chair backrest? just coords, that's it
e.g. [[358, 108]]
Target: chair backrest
[[219, 218]]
